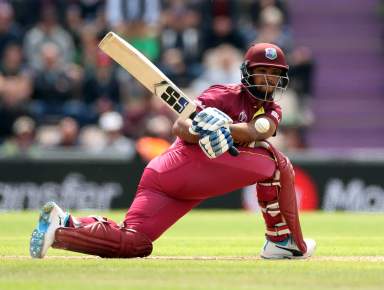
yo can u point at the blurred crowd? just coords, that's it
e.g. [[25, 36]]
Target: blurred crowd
[[57, 90]]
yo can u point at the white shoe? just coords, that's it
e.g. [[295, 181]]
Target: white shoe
[[51, 218], [287, 249]]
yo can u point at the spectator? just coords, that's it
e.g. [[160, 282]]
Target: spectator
[[48, 136], [16, 84], [22, 141], [67, 76], [144, 38], [223, 31], [301, 82], [27, 13], [63, 135], [69, 132], [91, 9], [160, 126], [10, 32], [173, 66], [48, 30], [221, 8], [88, 51], [136, 112], [15, 87], [302, 70], [112, 124], [293, 122], [73, 24], [221, 65], [182, 30], [55, 87], [101, 87], [120, 12], [271, 29], [257, 6], [92, 139]]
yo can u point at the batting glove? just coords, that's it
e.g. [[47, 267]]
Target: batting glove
[[216, 143], [209, 120]]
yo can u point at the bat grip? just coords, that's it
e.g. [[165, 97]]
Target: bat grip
[[233, 150]]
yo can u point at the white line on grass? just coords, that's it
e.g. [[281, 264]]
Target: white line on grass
[[218, 258]]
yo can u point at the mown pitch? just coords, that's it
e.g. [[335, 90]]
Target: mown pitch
[[206, 250]]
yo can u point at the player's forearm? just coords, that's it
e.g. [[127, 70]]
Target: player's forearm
[[241, 132], [246, 133], [181, 129]]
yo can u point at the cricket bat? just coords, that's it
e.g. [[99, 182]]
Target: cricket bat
[[143, 70]]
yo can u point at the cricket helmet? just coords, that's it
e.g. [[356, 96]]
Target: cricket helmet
[[267, 55]]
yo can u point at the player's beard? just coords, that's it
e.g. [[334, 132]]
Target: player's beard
[[261, 94]]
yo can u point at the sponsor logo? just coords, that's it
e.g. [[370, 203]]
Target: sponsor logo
[[243, 117], [353, 195], [271, 53], [275, 115], [75, 192], [173, 98], [295, 253]]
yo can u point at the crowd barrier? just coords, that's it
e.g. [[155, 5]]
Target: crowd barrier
[[86, 182]]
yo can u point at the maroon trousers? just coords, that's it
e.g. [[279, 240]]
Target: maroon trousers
[[175, 182]]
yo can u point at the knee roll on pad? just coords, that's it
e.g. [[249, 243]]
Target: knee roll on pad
[[104, 240]]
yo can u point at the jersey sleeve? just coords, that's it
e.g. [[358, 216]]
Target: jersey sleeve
[[212, 97], [275, 113]]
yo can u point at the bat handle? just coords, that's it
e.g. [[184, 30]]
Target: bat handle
[[233, 150]]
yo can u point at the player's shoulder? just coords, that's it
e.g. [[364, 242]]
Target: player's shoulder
[[219, 96], [228, 89], [231, 88], [272, 105]]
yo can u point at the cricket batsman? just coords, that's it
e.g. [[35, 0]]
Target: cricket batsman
[[197, 166]]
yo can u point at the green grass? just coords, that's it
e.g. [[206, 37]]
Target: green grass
[[225, 245]]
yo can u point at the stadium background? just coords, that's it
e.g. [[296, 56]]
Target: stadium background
[[76, 128]]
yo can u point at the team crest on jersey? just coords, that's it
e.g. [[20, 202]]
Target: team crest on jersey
[[271, 53], [243, 117]]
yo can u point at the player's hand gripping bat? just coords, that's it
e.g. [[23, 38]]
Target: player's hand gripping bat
[[143, 70]]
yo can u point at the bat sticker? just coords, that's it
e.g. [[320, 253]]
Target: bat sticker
[[172, 97]]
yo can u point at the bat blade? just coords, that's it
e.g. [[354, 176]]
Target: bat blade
[[143, 70]]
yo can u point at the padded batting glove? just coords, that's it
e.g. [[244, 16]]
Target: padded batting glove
[[209, 120], [216, 143]]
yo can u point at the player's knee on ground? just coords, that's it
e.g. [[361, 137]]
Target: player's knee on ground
[[104, 240]]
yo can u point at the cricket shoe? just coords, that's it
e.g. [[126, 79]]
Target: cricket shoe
[[287, 249], [51, 218]]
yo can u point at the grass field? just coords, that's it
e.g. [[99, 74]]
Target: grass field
[[206, 250]]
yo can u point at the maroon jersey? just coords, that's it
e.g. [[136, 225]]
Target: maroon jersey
[[236, 101]]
